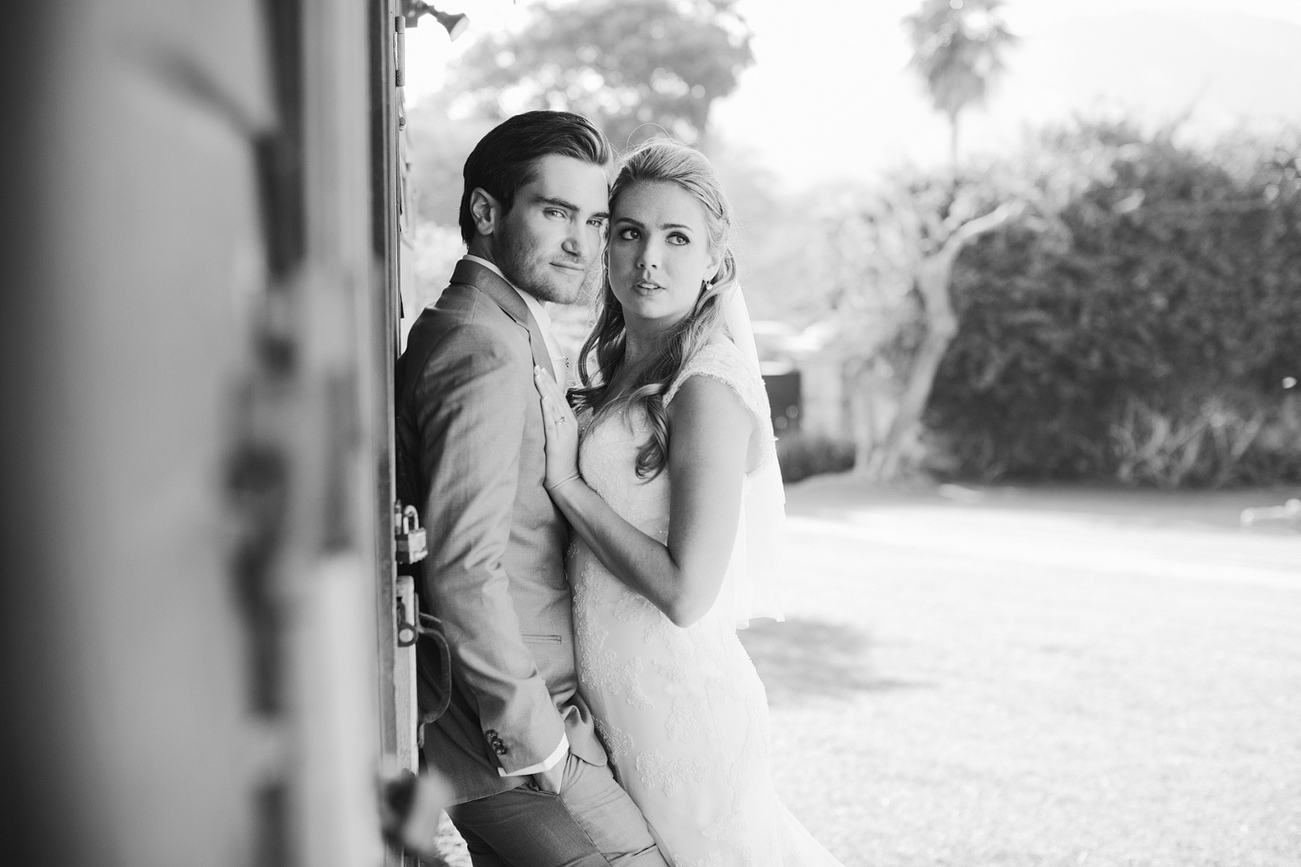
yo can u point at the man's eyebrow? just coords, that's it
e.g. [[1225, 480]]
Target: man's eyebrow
[[559, 203], [569, 206]]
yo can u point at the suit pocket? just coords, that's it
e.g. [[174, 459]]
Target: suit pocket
[[542, 639]]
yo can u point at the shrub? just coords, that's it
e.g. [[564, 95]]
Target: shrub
[[1214, 443], [802, 455], [1142, 329]]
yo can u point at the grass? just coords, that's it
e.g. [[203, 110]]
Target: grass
[[1038, 677]]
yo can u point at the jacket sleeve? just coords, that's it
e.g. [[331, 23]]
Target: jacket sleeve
[[473, 397]]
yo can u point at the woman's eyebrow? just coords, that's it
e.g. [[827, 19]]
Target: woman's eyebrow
[[641, 225]]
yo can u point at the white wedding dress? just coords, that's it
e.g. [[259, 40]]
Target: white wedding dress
[[682, 711]]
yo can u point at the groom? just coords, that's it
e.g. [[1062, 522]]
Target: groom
[[530, 779]]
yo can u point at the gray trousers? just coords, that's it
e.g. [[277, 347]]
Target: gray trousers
[[591, 823]]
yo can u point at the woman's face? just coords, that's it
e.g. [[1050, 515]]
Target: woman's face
[[659, 252]]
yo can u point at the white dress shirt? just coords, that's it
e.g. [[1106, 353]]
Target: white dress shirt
[[559, 362]]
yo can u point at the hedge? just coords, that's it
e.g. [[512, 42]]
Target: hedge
[[1143, 328]]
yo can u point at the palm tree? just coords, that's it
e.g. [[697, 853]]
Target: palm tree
[[958, 48]]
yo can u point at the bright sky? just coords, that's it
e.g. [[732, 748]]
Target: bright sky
[[830, 96]]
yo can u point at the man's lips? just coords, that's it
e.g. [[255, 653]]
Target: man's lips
[[570, 266]]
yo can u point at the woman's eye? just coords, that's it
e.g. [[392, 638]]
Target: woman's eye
[[629, 234], [678, 239]]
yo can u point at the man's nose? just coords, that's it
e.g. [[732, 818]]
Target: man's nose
[[581, 242], [574, 246]]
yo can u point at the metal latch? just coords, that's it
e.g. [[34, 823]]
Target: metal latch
[[407, 630]]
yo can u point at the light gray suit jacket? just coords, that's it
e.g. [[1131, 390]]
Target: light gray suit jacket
[[470, 456]]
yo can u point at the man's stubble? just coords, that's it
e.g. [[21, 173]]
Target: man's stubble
[[528, 268]]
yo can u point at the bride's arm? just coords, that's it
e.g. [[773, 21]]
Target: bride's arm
[[709, 431]]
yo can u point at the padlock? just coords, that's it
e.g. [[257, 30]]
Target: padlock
[[411, 543]]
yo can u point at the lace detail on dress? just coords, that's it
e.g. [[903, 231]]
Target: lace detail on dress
[[659, 772], [632, 607], [735, 832], [686, 721], [661, 630], [674, 669], [600, 667], [618, 743]]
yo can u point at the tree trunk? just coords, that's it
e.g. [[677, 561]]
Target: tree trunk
[[934, 274], [865, 388], [953, 146], [941, 328]]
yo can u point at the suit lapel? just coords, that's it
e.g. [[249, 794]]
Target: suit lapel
[[510, 301]]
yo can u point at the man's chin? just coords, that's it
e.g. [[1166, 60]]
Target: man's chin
[[558, 291]]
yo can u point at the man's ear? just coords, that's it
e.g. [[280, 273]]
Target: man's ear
[[485, 210]]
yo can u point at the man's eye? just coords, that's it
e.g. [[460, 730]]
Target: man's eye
[[555, 212]]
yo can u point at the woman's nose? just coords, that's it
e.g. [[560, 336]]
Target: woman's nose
[[648, 256]]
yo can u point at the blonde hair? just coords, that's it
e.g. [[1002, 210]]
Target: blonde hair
[[660, 161]]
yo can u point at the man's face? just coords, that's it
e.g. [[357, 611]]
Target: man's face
[[552, 237]]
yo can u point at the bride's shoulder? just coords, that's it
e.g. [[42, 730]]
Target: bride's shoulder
[[720, 359]]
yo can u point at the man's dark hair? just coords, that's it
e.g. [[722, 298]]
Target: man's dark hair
[[504, 160]]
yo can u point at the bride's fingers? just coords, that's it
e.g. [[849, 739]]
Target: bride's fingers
[[552, 412], [553, 399], [545, 388], [555, 415], [548, 386]]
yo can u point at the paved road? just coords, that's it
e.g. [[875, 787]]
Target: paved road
[[1038, 678]]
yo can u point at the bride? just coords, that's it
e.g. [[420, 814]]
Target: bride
[[675, 497]]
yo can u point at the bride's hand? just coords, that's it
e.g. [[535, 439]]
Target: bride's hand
[[561, 427]]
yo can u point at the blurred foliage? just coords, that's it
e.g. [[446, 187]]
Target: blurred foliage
[[432, 255], [802, 455], [437, 148], [622, 63], [1140, 323], [866, 248], [958, 48], [1218, 441]]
